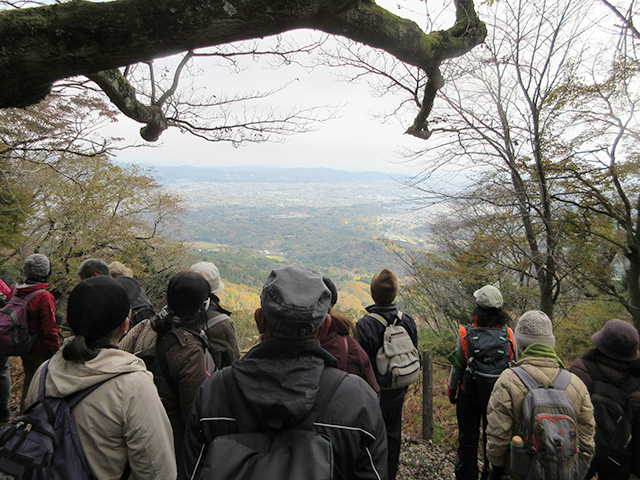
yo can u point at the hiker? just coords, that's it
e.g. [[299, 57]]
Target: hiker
[[123, 421], [141, 307], [605, 369], [175, 349], [41, 316], [5, 373], [339, 343], [485, 348], [275, 387], [93, 267], [220, 329], [536, 355], [370, 331], [118, 269]]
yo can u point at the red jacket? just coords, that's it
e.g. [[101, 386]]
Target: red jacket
[[41, 317], [351, 356]]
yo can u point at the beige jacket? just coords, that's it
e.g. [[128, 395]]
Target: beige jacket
[[121, 421], [504, 411]]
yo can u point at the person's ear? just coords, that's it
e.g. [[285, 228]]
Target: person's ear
[[123, 329], [261, 323], [324, 328]]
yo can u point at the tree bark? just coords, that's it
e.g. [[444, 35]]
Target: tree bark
[[39, 46]]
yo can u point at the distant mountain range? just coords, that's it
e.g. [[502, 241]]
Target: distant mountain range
[[259, 174]]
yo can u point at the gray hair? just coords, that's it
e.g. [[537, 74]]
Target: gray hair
[[92, 266]]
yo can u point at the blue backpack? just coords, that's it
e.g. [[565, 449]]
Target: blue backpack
[[43, 443]]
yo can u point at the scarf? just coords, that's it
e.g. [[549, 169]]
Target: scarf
[[541, 350]]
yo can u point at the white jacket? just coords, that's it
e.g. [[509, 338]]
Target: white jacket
[[121, 421]]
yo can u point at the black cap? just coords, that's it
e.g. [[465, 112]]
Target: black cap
[[332, 288], [97, 306], [131, 286], [186, 292]]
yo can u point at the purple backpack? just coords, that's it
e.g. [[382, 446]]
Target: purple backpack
[[43, 443], [14, 330]]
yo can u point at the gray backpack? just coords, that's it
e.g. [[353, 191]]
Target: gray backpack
[[550, 431], [397, 361]]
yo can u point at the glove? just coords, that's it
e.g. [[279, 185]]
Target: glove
[[452, 394]]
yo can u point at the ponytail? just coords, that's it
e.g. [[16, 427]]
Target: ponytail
[[80, 349]]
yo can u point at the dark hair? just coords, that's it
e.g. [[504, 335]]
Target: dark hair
[[490, 317], [186, 294], [82, 350], [92, 266]]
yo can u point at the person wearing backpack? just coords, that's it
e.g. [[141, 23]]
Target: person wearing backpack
[[5, 374], [370, 333], [141, 307], [485, 348], [179, 358], [122, 422], [219, 328], [286, 393], [507, 427], [41, 316], [615, 393], [339, 343]]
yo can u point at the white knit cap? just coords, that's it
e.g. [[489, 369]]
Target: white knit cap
[[534, 326], [210, 273]]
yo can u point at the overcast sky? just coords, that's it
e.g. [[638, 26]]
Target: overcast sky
[[355, 141]]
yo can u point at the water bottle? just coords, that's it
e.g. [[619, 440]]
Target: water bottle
[[519, 457]]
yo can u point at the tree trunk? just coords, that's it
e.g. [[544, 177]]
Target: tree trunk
[[41, 45]]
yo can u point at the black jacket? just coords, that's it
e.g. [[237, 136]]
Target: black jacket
[[279, 382]]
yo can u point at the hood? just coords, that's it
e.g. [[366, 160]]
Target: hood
[[279, 380], [65, 377], [25, 288]]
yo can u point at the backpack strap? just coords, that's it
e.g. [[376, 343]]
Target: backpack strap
[[345, 356], [216, 320], [382, 320], [329, 382], [161, 352], [74, 398], [526, 378], [561, 382]]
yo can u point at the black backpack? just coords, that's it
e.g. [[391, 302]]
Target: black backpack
[[614, 417], [140, 313], [285, 454], [489, 353]]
